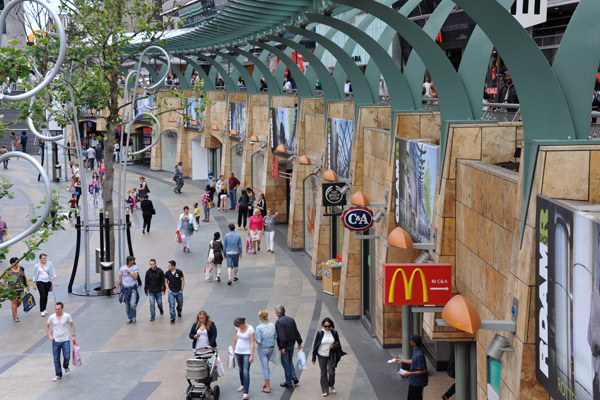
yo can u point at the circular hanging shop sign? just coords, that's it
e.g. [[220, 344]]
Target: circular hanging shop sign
[[357, 219], [332, 194]]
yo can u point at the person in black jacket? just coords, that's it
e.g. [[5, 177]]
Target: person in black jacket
[[287, 336], [203, 334], [154, 287], [243, 203], [324, 348], [147, 213]]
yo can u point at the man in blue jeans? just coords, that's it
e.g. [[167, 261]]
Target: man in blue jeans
[[154, 287], [417, 376], [287, 337], [233, 184], [175, 282], [232, 246], [128, 276], [60, 338]]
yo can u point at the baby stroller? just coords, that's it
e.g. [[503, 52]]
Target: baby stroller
[[201, 372]]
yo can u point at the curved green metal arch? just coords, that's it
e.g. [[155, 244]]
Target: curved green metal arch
[[360, 86], [273, 87], [304, 88], [183, 83], [397, 84], [208, 84], [330, 90], [250, 83], [230, 86], [576, 63]]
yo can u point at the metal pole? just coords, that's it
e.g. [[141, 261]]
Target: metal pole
[[416, 323], [473, 370], [462, 371], [101, 236], [106, 234], [405, 332]]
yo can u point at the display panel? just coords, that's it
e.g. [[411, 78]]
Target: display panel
[[340, 133], [283, 127], [237, 118]]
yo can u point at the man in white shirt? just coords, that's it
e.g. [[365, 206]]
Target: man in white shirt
[[347, 86], [59, 337], [91, 155]]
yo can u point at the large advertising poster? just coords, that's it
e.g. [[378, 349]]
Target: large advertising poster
[[193, 111], [237, 118], [339, 145], [567, 301], [283, 127], [416, 169]]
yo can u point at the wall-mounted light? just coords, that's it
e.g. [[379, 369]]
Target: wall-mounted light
[[215, 129], [306, 160], [460, 313], [255, 140], [378, 216], [398, 237], [171, 119], [330, 176], [234, 135], [316, 170]]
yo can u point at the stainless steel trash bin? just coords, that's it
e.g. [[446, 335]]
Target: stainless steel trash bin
[[107, 276], [57, 172]]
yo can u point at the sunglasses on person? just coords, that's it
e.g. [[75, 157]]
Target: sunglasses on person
[[327, 326]]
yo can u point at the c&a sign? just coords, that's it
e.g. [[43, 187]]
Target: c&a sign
[[417, 284]]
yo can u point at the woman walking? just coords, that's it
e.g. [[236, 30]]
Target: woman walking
[[43, 275], [203, 334], [186, 227], [223, 198], [324, 349], [243, 345], [243, 209], [261, 204], [78, 189], [220, 184], [18, 285], [269, 222], [143, 190], [206, 203], [266, 337], [257, 227], [251, 200], [147, 213], [216, 245], [95, 187]]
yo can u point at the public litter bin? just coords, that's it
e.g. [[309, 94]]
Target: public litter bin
[[331, 277], [98, 266], [107, 276], [56, 172]]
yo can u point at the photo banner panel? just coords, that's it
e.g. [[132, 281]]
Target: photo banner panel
[[237, 118], [283, 127], [340, 133]]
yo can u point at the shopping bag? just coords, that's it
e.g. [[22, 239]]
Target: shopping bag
[[231, 358], [211, 255], [76, 357], [28, 302], [177, 237], [248, 243], [208, 271], [301, 360], [220, 367]]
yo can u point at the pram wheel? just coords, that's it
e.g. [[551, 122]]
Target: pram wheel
[[216, 392]]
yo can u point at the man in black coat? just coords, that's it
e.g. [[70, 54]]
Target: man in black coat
[[154, 287]]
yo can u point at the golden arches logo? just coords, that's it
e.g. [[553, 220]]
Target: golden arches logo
[[408, 285]]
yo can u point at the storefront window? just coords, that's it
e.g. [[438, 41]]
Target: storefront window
[[236, 160], [311, 187], [258, 166]]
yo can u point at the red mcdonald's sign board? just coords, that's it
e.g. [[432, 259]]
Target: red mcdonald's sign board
[[417, 284]]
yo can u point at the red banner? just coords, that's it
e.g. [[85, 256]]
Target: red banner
[[417, 284], [275, 167]]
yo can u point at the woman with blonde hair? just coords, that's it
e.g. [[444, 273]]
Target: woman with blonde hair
[[266, 337], [256, 226], [203, 334]]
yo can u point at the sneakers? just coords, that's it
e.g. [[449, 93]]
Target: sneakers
[[325, 394], [130, 322], [67, 371], [332, 390], [161, 310], [151, 318], [172, 322], [56, 378], [43, 314], [133, 321]]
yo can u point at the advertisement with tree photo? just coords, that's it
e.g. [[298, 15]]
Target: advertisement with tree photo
[[340, 133], [237, 118], [283, 127]]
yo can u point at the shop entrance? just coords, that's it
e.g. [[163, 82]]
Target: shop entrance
[[168, 150]]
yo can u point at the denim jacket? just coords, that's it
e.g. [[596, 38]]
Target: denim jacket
[[266, 335]]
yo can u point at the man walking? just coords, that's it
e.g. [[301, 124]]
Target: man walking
[[175, 282], [91, 156], [178, 177], [232, 244], [417, 376], [128, 276], [3, 230], [24, 141], [60, 339], [99, 155], [233, 185], [154, 287], [287, 336]]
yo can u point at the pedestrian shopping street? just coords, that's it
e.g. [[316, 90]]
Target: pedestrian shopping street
[[147, 360]]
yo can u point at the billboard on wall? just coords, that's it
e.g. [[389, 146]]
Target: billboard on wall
[[340, 133], [567, 300], [417, 284], [237, 118], [192, 110], [283, 127], [416, 169]]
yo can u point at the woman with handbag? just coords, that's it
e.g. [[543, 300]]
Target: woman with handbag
[[203, 334], [207, 203], [147, 212], [215, 254], [325, 342], [18, 285], [257, 227], [186, 227], [43, 275]]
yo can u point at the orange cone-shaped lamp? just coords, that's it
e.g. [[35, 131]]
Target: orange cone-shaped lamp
[[254, 138], [399, 238], [330, 175], [281, 148], [214, 128], [233, 132], [359, 198], [460, 313]]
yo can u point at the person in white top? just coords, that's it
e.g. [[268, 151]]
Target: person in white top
[[186, 227], [324, 346], [427, 87], [43, 275], [347, 86], [243, 347], [60, 339]]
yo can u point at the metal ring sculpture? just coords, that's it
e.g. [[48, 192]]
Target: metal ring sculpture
[[61, 53], [49, 138], [151, 145], [47, 205]]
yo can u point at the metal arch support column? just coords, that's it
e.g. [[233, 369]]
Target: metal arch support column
[[576, 63], [250, 83], [360, 86], [230, 86], [397, 84], [273, 87], [330, 90], [304, 88], [535, 79], [207, 82]]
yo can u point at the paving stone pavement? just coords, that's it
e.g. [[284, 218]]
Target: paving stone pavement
[[147, 360]]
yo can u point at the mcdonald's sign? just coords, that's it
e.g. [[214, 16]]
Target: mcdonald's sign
[[417, 284]]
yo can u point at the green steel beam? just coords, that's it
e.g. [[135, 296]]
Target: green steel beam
[[273, 87], [230, 86], [250, 83], [330, 90], [304, 88], [360, 86], [397, 85], [208, 85]]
